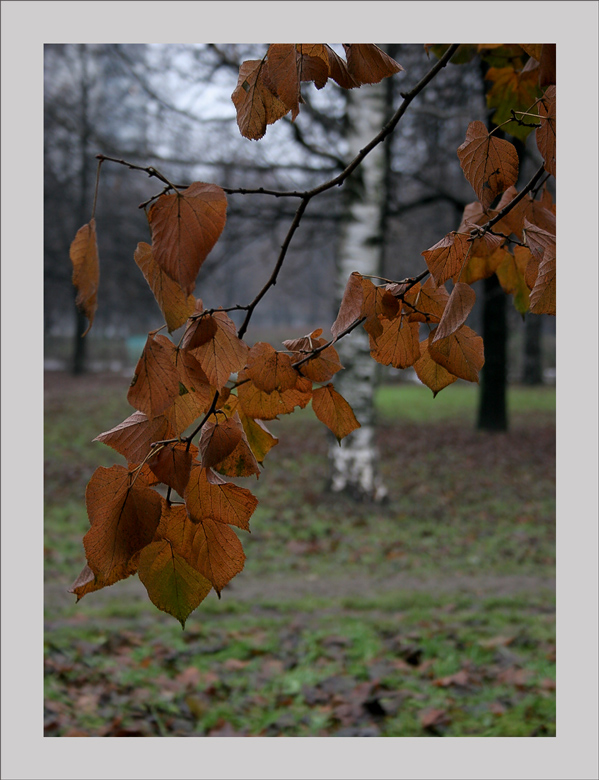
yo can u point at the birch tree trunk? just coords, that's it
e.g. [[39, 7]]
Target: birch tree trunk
[[354, 462]]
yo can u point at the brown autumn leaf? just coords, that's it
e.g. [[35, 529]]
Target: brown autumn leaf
[[214, 550], [313, 63], [124, 514], [186, 408], [241, 462], [490, 164], [133, 437], [172, 465], [223, 353], [351, 304], [173, 585], [323, 366], [88, 582], [447, 257], [185, 227], [425, 303], [397, 345], [430, 373], [192, 377], [200, 329], [86, 270], [368, 64], [270, 370], [338, 70], [542, 296], [175, 305], [332, 409], [217, 440], [481, 266], [284, 76], [256, 104], [378, 305], [259, 405], [538, 240], [546, 133], [209, 495], [456, 312], [259, 439], [155, 384], [461, 354]]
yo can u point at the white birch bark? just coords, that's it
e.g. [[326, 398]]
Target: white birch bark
[[354, 462]]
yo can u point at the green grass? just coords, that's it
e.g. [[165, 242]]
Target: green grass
[[348, 618]]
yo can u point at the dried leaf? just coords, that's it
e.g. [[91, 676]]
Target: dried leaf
[[134, 436], [208, 495], [185, 227], [542, 296], [222, 354], [332, 409], [256, 104], [86, 270], [267, 406], [456, 312], [124, 515], [397, 345], [172, 465], [155, 384], [270, 370], [368, 64], [175, 305], [426, 303], [490, 164], [461, 353], [217, 440], [351, 304], [430, 373], [546, 133], [283, 75], [446, 258]]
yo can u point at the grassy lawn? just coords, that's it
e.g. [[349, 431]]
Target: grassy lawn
[[432, 615]]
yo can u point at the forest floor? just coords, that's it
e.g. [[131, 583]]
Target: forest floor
[[431, 615]]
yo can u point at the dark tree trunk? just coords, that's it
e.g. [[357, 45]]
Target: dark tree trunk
[[492, 407], [532, 373]]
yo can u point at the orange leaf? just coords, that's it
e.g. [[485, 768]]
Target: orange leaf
[[222, 501], [538, 240], [86, 270], [242, 461], [175, 305], [456, 312], [332, 409], [214, 550], [223, 353], [368, 64], [320, 368], [446, 258], [351, 304], [267, 406], [378, 304], [172, 465], [283, 75], [313, 63], [430, 373], [338, 70], [546, 133], [192, 377], [461, 353], [185, 227], [124, 515], [133, 437], [256, 104], [542, 296], [217, 440], [155, 384], [398, 343], [426, 303], [489, 164], [270, 370], [259, 439], [88, 582]]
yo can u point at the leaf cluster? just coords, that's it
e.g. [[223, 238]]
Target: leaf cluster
[[171, 515]]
